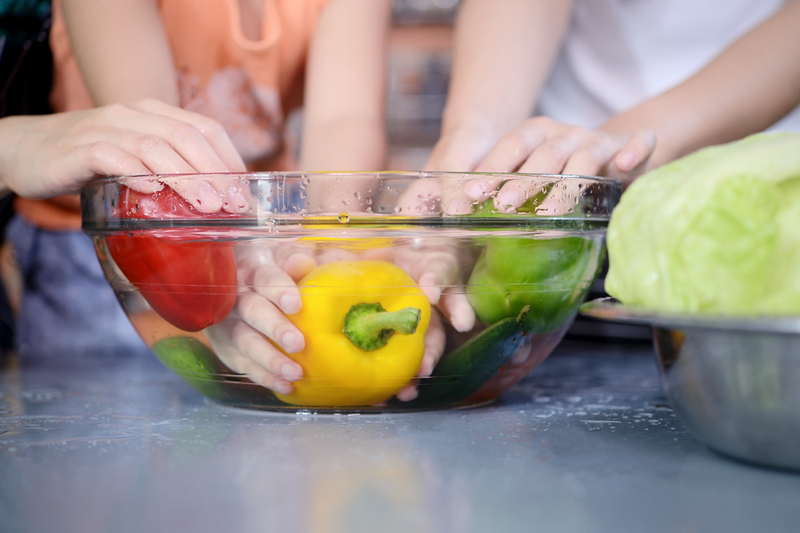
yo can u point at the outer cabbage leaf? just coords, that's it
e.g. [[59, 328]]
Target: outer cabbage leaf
[[715, 232]]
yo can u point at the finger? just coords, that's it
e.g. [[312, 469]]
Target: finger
[[233, 191], [435, 339], [222, 157], [409, 392], [258, 349], [560, 200], [513, 149], [423, 196], [104, 159], [511, 196], [550, 157], [153, 150], [271, 282], [198, 192], [295, 261], [432, 270], [456, 309], [637, 151], [592, 158], [262, 315], [220, 338], [481, 189]]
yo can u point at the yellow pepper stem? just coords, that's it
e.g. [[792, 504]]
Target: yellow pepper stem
[[370, 326]]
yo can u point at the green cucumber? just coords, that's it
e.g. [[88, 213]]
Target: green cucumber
[[464, 370], [194, 362]]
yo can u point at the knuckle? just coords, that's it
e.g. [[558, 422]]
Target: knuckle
[[247, 343], [554, 151], [115, 110], [516, 142], [246, 305], [99, 150], [590, 155], [149, 144], [211, 127], [182, 131]]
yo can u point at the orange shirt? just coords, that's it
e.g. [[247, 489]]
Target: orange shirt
[[248, 86]]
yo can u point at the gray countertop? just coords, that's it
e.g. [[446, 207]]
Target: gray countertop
[[586, 442]]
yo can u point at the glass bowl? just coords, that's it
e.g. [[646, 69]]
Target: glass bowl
[[410, 296]]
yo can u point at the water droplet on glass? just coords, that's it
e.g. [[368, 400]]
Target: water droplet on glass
[[344, 218]]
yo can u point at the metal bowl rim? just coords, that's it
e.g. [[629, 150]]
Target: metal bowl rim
[[613, 310]]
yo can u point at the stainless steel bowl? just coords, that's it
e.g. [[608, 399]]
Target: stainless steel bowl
[[734, 382]]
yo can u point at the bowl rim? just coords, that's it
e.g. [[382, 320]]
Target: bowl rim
[[611, 309], [594, 199], [396, 174]]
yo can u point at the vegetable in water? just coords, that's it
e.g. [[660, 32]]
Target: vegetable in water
[[364, 325], [715, 232], [191, 283], [549, 276]]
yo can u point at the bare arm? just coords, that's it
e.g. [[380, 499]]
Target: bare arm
[[122, 50], [750, 86], [345, 88], [503, 53]]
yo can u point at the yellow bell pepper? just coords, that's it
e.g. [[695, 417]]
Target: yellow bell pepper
[[364, 324]]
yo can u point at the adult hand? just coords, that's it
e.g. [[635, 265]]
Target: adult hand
[[539, 145], [49, 155]]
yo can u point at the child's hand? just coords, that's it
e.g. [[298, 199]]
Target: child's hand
[[242, 341]]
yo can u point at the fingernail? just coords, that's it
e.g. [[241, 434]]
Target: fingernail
[[426, 367], [282, 387], [428, 286], [476, 189], [291, 372], [290, 303], [507, 200], [626, 160], [291, 342], [208, 200]]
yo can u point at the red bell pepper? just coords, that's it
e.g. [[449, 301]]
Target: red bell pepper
[[190, 283]]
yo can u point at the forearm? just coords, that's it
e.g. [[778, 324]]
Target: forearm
[[346, 88], [503, 53], [750, 86], [122, 50], [10, 128], [352, 144]]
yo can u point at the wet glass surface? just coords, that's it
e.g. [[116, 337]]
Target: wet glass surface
[[586, 442]]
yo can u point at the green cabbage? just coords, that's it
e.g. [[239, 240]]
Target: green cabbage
[[715, 232]]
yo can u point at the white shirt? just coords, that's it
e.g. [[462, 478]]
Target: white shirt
[[619, 53]]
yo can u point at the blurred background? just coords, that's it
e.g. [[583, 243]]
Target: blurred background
[[419, 72]]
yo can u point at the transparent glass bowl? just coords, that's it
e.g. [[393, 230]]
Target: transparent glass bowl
[[484, 292]]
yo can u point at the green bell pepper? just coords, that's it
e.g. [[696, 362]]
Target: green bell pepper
[[552, 276]]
